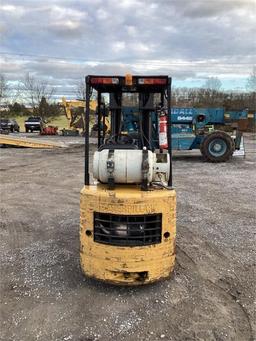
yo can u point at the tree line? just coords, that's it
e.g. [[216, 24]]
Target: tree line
[[38, 94], [31, 96]]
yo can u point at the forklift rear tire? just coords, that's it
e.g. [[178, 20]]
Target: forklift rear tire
[[218, 146]]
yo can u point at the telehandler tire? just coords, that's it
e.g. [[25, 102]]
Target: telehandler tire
[[218, 146]]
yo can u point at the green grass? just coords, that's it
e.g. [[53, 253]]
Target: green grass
[[60, 121]]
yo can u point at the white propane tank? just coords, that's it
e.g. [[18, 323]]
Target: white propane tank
[[127, 167]]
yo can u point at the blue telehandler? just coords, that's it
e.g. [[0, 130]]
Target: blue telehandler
[[214, 131]]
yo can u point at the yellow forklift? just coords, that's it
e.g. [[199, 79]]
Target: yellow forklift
[[127, 204]]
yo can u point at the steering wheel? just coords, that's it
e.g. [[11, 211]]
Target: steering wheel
[[121, 139]]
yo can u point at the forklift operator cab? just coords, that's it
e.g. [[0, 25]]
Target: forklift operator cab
[[128, 216]]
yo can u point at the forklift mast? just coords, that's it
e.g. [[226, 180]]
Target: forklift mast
[[152, 91]]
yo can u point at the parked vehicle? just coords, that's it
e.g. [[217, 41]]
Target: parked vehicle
[[34, 123], [9, 124]]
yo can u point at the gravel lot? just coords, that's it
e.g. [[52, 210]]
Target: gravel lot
[[44, 295]]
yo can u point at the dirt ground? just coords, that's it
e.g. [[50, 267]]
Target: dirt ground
[[44, 295]]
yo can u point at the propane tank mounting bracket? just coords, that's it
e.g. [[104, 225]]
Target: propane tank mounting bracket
[[110, 169], [144, 170]]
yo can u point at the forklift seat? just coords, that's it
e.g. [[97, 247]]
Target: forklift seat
[[117, 146]]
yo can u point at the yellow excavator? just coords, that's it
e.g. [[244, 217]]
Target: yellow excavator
[[128, 209], [74, 110]]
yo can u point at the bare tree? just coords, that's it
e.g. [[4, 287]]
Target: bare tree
[[4, 89], [251, 81], [212, 83], [15, 94], [81, 90], [34, 90], [210, 93]]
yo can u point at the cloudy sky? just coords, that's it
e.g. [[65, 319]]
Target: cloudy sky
[[63, 40]]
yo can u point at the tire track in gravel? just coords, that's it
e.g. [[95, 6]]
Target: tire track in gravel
[[210, 267], [199, 301], [196, 285]]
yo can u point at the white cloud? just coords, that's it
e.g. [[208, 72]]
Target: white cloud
[[179, 37], [66, 24], [140, 47], [102, 14], [62, 13], [132, 31], [118, 46], [129, 3], [12, 10]]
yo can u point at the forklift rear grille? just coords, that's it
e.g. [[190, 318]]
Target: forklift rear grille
[[127, 230]]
